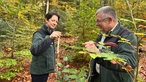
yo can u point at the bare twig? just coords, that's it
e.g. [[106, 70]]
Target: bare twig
[[58, 44], [57, 51], [131, 14]]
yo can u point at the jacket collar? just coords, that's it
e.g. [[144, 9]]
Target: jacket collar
[[116, 30], [47, 29]]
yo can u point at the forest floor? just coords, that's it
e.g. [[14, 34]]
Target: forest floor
[[24, 76]]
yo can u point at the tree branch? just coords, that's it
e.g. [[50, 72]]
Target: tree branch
[[131, 14]]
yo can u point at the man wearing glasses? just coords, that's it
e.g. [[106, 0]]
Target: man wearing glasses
[[104, 70]]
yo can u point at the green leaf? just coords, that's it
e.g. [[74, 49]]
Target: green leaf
[[110, 57], [104, 55], [59, 73], [72, 76], [71, 71], [93, 55], [123, 19], [66, 77], [3, 36], [60, 64], [141, 20], [65, 58]]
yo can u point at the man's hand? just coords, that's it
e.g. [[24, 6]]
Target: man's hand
[[91, 47], [55, 34]]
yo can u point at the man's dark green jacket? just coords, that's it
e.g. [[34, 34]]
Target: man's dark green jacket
[[112, 72], [43, 52]]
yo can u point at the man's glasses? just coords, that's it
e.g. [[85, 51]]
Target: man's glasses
[[98, 21]]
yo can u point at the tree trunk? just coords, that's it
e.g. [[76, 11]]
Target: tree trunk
[[47, 6]]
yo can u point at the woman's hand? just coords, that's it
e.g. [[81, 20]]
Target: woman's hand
[[55, 34]]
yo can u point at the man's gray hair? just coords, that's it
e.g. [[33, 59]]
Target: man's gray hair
[[108, 11]]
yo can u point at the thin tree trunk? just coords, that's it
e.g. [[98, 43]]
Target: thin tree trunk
[[131, 13], [47, 6]]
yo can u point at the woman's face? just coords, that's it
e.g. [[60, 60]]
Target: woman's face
[[52, 22]]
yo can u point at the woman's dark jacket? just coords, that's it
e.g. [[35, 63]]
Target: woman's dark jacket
[[43, 52]]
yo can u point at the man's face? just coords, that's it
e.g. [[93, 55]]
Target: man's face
[[103, 23], [52, 22]]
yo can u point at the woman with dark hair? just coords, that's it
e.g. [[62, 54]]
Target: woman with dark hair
[[43, 49]]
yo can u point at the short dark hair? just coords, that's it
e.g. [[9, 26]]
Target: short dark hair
[[50, 14]]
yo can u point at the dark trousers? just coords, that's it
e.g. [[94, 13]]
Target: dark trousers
[[39, 78]]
